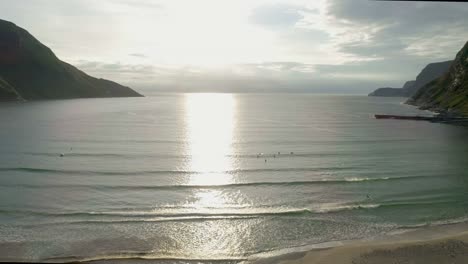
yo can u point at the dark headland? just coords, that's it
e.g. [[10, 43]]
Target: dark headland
[[431, 72], [446, 95], [30, 71]]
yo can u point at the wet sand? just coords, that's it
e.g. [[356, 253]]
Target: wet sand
[[430, 245]]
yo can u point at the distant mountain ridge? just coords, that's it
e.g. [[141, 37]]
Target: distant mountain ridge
[[431, 72], [448, 93], [30, 70]]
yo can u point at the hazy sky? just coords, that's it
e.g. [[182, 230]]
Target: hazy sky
[[246, 45]]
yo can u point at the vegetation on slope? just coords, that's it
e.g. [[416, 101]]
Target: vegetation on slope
[[431, 72], [33, 70], [448, 93], [8, 93]]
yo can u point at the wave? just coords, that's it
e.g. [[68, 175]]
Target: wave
[[161, 213], [175, 156], [193, 214], [237, 142], [203, 214], [387, 205], [136, 256], [339, 208], [107, 155], [182, 156], [151, 172], [107, 141], [351, 180], [454, 221], [140, 220]]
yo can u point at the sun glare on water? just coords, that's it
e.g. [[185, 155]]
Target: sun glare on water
[[210, 123], [210, 120]]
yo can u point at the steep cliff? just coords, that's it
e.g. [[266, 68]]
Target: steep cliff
[[449, 93], [431, 72]]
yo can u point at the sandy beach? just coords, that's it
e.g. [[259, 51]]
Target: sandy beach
[[431, 245]]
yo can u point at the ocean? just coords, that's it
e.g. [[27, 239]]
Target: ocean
[[219, 178]]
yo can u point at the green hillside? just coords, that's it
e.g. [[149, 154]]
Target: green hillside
[[34, 72], [448, 93]]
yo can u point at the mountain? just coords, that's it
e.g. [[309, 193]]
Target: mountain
[[30, 70], [449, 93], [429, 73]]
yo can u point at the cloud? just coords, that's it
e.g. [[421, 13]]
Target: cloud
[[392, 29], [236, 45], [138, 55], [139, 4], [125, 73], [250, 77], [280, 66], [276, 16]]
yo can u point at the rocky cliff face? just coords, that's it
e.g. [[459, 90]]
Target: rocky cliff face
[[449, 93], [30, 70], [431, 72]]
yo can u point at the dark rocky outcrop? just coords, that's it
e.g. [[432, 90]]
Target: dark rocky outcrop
[[388, 92], [30, 70], [429, 73], [449, 93]]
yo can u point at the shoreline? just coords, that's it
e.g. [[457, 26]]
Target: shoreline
[[447, 243]]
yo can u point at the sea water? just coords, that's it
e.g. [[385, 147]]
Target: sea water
[[219, 177]]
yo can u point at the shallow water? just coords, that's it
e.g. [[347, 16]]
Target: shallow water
[[219, 177]]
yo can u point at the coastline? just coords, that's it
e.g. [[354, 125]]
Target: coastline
[[426, 245]]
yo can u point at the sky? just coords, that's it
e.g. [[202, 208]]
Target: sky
[[331, 46]]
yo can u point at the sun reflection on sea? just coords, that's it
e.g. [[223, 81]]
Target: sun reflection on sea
[[210, 124]]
